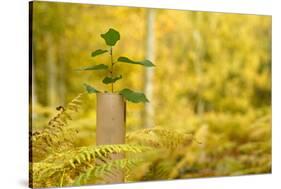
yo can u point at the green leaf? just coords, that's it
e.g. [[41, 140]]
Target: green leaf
[[98, 52], [96, 67], [145, 63], [108, 80], [132, 96], [111, 37], [90, 89]]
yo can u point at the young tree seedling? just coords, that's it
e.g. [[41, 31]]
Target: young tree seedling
[[111, 37]]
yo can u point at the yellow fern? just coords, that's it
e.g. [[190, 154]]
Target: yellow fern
[[55, 136], [160, 138]]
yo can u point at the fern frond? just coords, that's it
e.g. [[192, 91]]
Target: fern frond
[[106, 170], [168, 144], [160, 138], [55, 136], [102, 152], [73, 162]]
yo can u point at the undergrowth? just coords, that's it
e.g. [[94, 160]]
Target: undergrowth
[[56, 161], [240, 145]]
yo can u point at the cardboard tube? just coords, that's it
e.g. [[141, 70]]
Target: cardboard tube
[[111, 126]]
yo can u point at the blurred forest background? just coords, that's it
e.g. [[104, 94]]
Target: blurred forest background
[[212, 78]]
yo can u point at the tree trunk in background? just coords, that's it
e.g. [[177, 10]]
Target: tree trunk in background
[[61, 70], [148, 112], [33, 92], [198, 69], [32, 72], [51, 72]]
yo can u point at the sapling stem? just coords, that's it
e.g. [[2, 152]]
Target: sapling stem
[[111, 37], [111, 71]]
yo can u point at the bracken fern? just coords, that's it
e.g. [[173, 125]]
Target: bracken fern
[[55, 136], [57, 162]]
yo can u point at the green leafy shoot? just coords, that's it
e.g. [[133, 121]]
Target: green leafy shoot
[[108, 80], [132, 96], [90, 89], [96, 67], [145, 63], [111, 37], [98, 52]]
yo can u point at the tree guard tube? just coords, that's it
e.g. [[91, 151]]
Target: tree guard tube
[[111, 118]]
